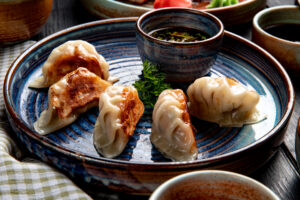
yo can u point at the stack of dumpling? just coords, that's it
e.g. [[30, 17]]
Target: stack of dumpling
[[77, 75], [68, 57]]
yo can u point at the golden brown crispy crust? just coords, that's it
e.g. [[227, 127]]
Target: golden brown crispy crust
[[81, 87], [68, 63], [131, 111], [181, 97], [232, 81]]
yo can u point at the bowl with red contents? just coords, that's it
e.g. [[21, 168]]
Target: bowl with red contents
[[168, 3], [182, 42]]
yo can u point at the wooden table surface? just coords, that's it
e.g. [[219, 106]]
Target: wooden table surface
[[280, 174]]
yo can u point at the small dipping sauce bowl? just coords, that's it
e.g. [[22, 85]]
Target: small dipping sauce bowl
[[180, 61], [212, 184], [276, 29]]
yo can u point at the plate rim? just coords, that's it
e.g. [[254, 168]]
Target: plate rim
[[155, 165]]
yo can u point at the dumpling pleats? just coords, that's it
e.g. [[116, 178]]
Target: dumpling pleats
[[224, 101], [119, 111], [172, 132], [67, 58], [74, 94]]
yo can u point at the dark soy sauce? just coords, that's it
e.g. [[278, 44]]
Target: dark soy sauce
[[289, 32], [179, 34]]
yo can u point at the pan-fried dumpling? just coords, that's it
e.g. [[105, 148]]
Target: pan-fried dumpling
[[119, 111], [224, 101], [68, 57], [72, 95], [172, 131]]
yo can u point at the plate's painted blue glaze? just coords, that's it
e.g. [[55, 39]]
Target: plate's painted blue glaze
[[141, 168], [116, 42]]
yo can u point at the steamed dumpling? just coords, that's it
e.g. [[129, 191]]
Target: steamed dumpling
[[172, 132], [72, 95], [68, 57], [119, 111], [224, 101]]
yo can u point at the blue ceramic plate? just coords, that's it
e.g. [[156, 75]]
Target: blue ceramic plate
[[71, 149]]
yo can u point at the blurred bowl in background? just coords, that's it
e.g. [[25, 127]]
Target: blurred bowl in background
[[212, 184], [277, 30], [22, 19]]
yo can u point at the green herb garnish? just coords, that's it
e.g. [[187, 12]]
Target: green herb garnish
[[151, 84], [221, 3]]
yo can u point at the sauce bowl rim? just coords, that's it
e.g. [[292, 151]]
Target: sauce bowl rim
[[217, 36]]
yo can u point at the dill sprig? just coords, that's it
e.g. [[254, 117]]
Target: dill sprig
[[151, 84]]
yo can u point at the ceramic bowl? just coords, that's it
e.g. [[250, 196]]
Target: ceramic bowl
[[22, 19], [180, 61], [287, 52], [230, 16], [212, 184]]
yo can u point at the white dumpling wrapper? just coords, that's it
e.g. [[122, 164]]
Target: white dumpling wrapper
[[49, 121], [172, 133], [111, 134], [224, 101], [59, 63], [85, 88]]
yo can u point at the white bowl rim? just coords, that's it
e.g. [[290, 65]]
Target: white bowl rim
[[236, 176]]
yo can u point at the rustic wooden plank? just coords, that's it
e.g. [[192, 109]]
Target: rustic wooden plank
[[280, 176], [289, 140]]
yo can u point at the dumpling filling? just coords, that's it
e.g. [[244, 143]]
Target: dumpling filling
[[72, 95], [67, 58]]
